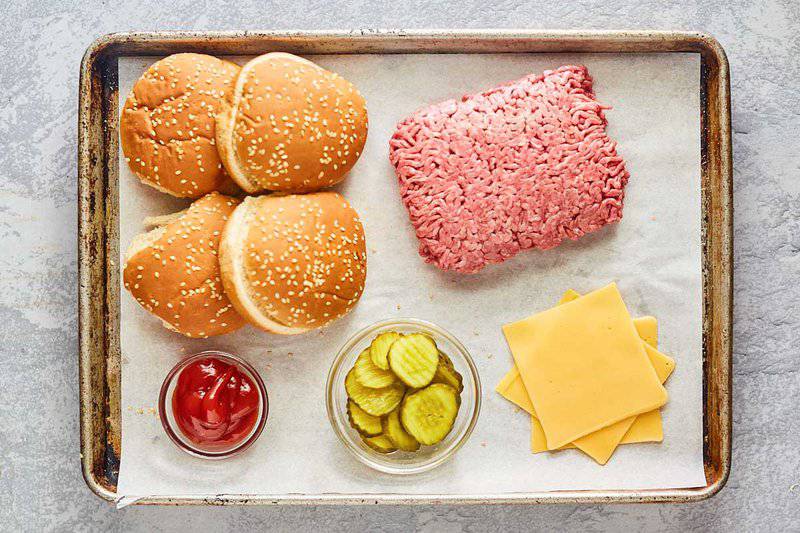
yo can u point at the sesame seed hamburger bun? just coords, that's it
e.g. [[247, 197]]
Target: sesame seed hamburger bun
[[291, 263], [167, 127], [292, 126], [173, 269]]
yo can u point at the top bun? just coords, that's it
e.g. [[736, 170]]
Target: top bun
[[293, 263], [173, 270], [167, 126], [292, 126]]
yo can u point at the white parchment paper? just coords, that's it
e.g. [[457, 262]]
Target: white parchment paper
[[653, 254]]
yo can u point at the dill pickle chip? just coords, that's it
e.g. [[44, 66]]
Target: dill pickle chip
[[362, 421], [414, 358], [428, 415], [376, 402], [380, 443], [370, 375], [379, 348], [445, 359], [447, 374], [393, 429]]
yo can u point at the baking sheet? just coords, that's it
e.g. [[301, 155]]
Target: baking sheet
[[654, 254]]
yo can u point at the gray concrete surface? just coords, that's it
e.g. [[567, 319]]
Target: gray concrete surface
[[42, 42]]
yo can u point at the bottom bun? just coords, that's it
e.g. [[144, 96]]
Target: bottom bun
[[173, 270], [292, 263]]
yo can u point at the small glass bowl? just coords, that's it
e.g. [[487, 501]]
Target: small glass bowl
[[171, 426], [427, 457]]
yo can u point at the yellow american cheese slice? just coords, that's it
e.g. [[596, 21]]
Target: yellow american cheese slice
[[512, 388], [584, 366], [601, 444], [646, 428]]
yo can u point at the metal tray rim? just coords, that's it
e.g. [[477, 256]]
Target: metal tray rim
[[567, 40]]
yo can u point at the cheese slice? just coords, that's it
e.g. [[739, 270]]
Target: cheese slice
[[584, 366], [511, 386], [513, 389], [601, 444], [647, 328], [646, 427]]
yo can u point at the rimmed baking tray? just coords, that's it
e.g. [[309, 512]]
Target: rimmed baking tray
[[98, 239]]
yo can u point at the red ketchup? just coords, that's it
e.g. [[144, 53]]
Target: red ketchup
[[215, 404]]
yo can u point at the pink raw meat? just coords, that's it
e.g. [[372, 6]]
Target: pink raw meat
[[523, 165]]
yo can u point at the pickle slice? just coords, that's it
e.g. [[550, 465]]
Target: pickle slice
[[445, 359], [445, 373], [428, 415], [414, 358], [376, 402], [370, 375], [393, 429], [380, 443], [379, 348], [362, 421]]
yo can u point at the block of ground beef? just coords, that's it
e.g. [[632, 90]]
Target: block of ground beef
[[524, 165]]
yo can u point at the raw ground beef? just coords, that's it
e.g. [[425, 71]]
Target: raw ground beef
[[523, 165]]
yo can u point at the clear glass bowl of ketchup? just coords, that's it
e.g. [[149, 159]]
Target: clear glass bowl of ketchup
[[213, 405]]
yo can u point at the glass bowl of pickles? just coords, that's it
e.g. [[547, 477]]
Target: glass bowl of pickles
[[403, 395]]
